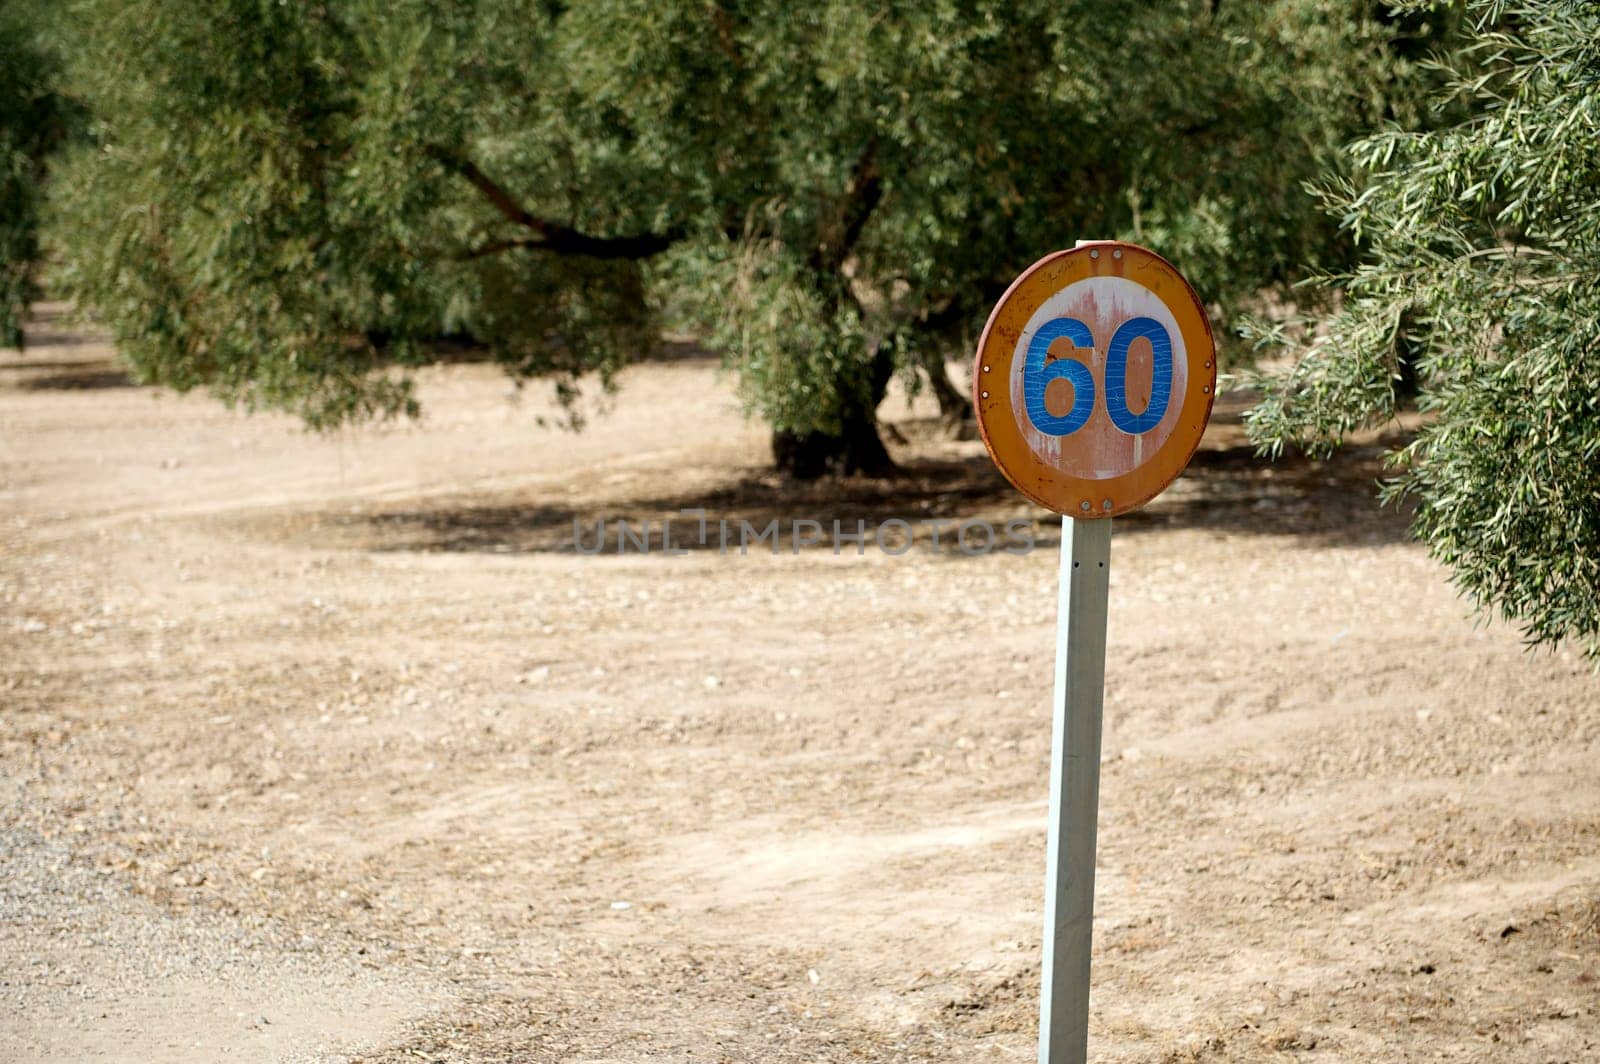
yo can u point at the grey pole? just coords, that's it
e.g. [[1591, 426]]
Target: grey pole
[[1074, 791]]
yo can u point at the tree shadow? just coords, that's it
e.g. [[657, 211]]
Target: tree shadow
[[49, 327], [55, 324], [75, 376], [27, 364], [1227, 490], [1329, 502]]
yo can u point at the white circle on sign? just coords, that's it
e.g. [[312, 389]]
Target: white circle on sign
[[1099, 450]]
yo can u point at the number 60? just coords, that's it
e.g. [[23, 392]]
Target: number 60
[[1037, 374]]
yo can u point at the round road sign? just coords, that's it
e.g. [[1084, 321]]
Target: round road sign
[[1094, 379]]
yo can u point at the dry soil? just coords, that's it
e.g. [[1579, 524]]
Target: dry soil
[[336, 749]]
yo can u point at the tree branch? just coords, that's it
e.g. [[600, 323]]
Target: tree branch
[[552, 236], [865, 193], [961, 308], [862, 195]]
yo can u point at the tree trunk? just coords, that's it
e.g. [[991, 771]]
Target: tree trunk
[[953, 406], [857, 450], [1403, 369]]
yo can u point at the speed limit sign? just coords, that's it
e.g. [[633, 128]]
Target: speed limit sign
[[1093, 384], [1094, 379]]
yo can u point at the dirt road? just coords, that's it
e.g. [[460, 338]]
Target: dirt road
[[323, 749]]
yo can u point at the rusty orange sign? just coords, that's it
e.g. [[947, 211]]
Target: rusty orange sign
[[1094, 379]]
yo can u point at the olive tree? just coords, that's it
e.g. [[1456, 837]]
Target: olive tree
[[33, 121], [1481, 263], [292, 205]]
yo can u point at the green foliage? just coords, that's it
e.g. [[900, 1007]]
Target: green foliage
[[1482, 261], [995, 133], [291, 204], [800, 355], [33, 120], [271, 208]]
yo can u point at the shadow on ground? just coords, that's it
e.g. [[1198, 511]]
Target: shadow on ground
[[1227, 489], [49, 328], [87, 376]]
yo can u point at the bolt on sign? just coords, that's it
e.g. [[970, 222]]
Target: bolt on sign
[[1093, 384]]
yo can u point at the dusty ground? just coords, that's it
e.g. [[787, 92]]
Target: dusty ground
[[335, 749]]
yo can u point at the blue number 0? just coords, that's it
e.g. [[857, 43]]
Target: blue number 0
[[1117, 375], [1037, 374]]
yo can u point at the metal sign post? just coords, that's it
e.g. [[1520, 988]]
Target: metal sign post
[[1074, 791], [1093, 384]]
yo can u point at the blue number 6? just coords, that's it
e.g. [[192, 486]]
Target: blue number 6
[[1036, 374]]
